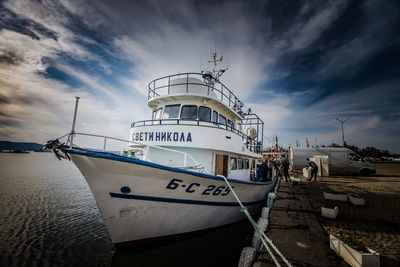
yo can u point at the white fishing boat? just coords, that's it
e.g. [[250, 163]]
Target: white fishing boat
[[171, 179]]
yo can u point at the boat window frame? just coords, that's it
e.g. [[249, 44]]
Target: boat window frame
[[219, 118], [197, 111], [238, 163], [161, 113], [177, 117], [232, 167], [216, 118], [246, 164], [230, 124]]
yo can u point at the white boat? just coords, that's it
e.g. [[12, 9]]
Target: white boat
[[170, 181]]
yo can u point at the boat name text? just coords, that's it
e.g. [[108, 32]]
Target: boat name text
[[162, 136], [210, 189]]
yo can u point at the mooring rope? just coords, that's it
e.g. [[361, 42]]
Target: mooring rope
[[260, 233]]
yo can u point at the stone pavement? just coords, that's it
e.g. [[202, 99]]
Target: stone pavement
[[301, 234], [377, 224], [296, 231]]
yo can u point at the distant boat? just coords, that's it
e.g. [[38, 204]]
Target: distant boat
[[170, 181]]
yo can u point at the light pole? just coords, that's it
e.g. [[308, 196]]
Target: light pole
[[342, 121]]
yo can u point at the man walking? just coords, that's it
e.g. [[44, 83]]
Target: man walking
[[314, 169], [285, 168]]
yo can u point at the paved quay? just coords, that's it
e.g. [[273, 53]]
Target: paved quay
[[300, 232], [295, 230]]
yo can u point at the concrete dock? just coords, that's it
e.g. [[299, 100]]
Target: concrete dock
[[300, 232], [296, 231]]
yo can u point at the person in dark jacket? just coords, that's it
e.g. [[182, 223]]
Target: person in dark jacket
[[270, 169], [285, 168], [314, 169], [264, 171]]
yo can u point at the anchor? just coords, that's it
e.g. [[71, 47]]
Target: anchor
[[57, 148]]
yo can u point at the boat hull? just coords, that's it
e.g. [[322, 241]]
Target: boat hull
[[140, 200]]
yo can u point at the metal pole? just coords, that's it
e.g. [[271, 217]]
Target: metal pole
[[342, 122], [74, 120], [104, 145], [342, 134]]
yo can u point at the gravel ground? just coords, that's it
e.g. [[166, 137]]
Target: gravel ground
[[377, 223]]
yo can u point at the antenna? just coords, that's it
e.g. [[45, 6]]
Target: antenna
[[216, 72]]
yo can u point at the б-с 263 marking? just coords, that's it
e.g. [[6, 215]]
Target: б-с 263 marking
[[191, 188]]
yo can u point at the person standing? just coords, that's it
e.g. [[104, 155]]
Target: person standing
[[314, 169], [264, 171], [270, 169], [285, 168]]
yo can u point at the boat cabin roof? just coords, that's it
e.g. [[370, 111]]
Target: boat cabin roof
[[193, 86]]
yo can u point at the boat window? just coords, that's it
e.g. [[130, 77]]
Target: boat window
[[157, 114], [233, 163], [215, 117], [189, 112], [204, 114], [230, 125], [240, 164], [222, 120], [171, 111], [246, 164]]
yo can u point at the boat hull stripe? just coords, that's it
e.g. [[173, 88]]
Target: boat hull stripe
[[183, 201], [111, 156]]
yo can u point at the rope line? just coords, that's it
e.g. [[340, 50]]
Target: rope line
[[260, 233]]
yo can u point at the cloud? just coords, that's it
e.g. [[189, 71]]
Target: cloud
[[282, 60], [308, 28], [371, 117]]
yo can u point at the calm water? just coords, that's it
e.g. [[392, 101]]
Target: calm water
[[48, 217]]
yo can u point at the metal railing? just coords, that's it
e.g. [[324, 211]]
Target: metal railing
[[251, 144], [214, 90], [221, 92], [145, 149]]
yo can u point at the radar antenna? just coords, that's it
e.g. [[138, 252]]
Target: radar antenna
[[211, 76]]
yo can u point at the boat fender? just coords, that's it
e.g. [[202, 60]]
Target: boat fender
[[265, 212], [270, 201], [247, 257], [262, 225]]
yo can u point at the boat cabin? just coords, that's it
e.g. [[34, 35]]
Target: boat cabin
[[197, 123]]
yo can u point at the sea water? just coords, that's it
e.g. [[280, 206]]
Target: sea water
[[48, 217]]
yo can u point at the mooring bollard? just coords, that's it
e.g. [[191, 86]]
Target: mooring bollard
[[247, 257], [262, 225]]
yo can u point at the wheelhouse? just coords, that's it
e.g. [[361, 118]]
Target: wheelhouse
[[204, 118]]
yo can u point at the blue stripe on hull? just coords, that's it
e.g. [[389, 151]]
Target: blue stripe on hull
[[183, 201], [111, 156]]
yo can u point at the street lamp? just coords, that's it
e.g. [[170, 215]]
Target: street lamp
[[342, 121]]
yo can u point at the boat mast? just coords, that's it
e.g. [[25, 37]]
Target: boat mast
[[216, 73]]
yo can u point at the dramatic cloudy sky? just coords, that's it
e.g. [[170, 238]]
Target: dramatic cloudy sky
[[299, 64]]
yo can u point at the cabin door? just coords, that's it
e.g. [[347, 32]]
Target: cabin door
[[221, 165]]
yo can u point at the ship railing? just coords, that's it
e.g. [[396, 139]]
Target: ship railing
[[145, 148], [162, 86], [251, 144]]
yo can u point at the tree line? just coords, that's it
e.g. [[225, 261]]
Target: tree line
[[368, 151]]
